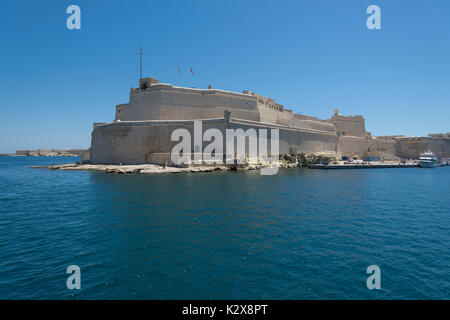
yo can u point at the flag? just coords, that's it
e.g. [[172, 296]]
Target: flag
[[192, 72], [179, 70]]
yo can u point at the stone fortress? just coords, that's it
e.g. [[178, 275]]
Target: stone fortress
[[141, 131]]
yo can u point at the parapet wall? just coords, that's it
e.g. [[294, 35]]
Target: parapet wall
[[308, 124]]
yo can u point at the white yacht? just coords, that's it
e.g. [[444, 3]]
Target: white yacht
[[428, 160]]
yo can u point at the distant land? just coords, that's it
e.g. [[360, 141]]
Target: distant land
[[48, 153]]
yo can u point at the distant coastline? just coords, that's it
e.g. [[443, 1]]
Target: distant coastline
[[47, 153]]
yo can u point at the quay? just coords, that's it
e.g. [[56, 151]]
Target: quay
[[363, 166]]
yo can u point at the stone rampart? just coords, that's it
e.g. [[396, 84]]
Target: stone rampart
[[351, 146], [412, 147], [166, 102], [383, 148], [140, 142]]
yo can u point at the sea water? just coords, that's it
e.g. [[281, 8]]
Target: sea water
[[300, 234]]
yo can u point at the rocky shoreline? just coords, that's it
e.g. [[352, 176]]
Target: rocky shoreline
[[156, 169], [285, 161]]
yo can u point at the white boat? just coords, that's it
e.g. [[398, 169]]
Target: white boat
[[428, 160]]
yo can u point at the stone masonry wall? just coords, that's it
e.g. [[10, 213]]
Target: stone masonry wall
[[383, 148], [349, 126], [351, 146], [165, 102], [150, 141], [411, 148]]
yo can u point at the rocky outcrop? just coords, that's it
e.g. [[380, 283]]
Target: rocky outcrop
[[144, 168]]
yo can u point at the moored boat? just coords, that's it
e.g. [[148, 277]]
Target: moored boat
[[428, 160]]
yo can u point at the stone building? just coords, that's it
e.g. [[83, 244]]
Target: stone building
[[141, 131]]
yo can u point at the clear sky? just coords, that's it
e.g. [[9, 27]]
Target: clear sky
[[311, 56]]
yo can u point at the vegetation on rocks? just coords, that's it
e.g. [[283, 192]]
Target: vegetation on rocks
[[305, 159]]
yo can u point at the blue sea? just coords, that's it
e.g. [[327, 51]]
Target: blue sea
[[301, 234]]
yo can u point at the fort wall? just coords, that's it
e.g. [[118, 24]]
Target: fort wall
[[351, 146], [166, 102], [383, 148], [412, 147], [348, 126], [140, 142]]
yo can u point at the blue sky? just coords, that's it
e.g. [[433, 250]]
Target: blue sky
[[311, 56]]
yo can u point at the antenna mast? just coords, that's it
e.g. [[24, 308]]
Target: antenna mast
[[141, 53]]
